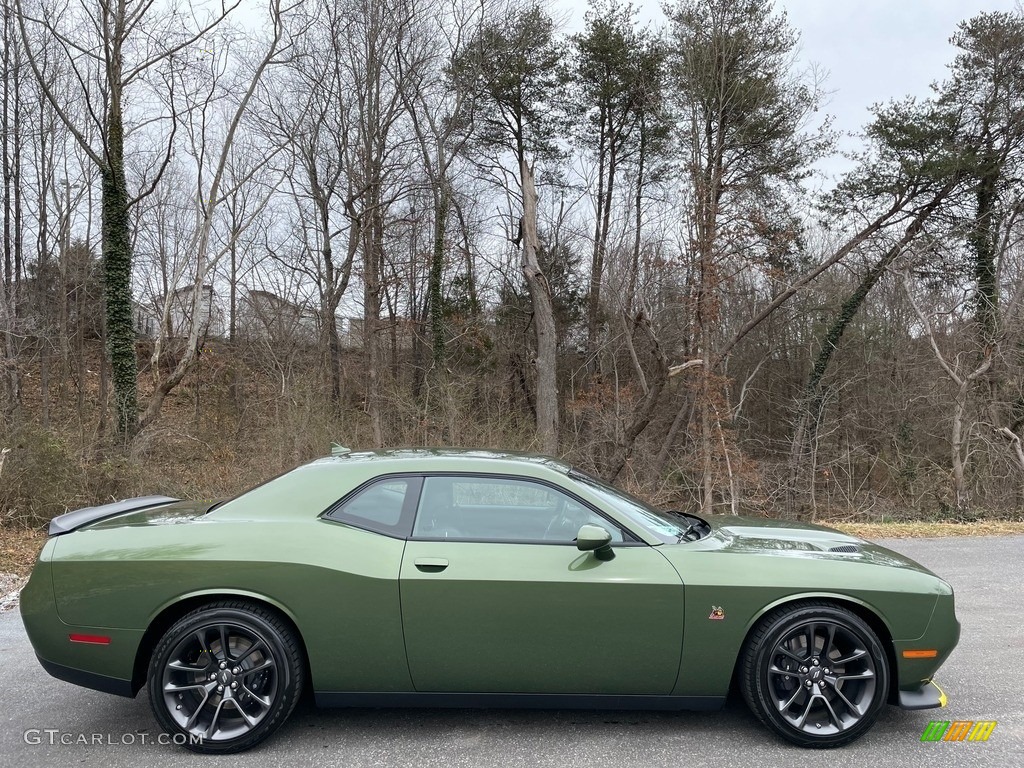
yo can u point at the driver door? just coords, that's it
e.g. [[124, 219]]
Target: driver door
[[497, 599]]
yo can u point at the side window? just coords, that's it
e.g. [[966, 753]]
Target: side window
[[501, 509], [377, 507]]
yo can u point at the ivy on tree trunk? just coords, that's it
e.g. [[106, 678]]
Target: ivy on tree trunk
[[117, 291]]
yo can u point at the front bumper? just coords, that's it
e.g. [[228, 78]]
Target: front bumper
[[928, 696], [915, 672]]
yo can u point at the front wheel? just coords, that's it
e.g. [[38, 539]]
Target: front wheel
[[225, 676], [816, 674]]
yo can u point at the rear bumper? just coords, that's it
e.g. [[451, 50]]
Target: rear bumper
[[107, 667], [88, 679], [928, 696]]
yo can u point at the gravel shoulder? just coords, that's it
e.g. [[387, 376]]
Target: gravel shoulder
[[10, 588]]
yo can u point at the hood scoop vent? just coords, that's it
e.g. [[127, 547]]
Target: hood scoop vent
[[851, 549]]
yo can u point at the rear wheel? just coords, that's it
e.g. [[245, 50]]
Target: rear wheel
[[816, 674], [225, 676]]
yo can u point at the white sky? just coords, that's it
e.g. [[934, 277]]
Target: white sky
[[872, 50]]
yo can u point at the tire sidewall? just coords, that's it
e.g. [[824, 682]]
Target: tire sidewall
[[288, 683], [783, 624]]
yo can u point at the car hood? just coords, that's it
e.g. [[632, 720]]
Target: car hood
[[784, 538]]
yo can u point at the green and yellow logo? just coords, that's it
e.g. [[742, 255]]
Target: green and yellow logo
[[958, 730]]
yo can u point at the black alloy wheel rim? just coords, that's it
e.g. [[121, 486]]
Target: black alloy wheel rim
[[220, 681], [822, 678]]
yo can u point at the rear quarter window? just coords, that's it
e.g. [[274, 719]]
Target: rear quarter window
[[382, 506]]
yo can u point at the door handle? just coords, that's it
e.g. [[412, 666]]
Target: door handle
[[431, 564]]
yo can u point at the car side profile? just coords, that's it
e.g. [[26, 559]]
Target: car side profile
[[441, 577]]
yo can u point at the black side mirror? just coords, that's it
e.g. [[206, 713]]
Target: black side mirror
[[594, 538]]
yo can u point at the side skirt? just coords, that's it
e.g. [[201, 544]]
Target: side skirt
[[515, 700]]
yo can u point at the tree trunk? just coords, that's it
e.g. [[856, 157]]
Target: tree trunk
[[233, 293], [371, 326], [10, 136], [543, 319], [597, 256], [983, 242], [329, 323], [435, 279], [8, 356], [645, 410], [683, 415], [467, 255], [117, 277], [638, 200], [960, 494], [331, 349], [707, 441]]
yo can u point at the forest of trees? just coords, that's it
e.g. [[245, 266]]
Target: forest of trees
[[447, 222]]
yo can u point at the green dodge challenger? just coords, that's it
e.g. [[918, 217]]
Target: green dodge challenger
[[447, 578]]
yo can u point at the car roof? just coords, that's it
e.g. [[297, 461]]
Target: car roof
[[446, 459], [318, 484]]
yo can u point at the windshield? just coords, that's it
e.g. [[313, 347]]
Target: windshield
[[670, 527]]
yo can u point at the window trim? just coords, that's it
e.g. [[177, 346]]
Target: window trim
[[403, 528], [627, 532]]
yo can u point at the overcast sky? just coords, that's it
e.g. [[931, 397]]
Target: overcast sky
[[872, 50]]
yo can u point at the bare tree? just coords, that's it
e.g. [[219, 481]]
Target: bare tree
[[311, 115], [512, 66], [432, 100], [745, 146], [962, 380], [374, 33], [11, 127], [543, 318], [211, 193], [110, 49]]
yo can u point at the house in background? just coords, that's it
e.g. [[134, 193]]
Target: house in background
[[265, 315], [148, 318], [259, 315]]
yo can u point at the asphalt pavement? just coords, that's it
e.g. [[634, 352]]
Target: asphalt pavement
[[984, 679]]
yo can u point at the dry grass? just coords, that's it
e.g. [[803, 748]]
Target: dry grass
[[922, 530], [19, 549]]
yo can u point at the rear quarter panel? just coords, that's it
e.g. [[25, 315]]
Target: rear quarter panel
[[338, 584]]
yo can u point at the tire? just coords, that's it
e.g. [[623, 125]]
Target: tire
[[215, 703], [809, 694]]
